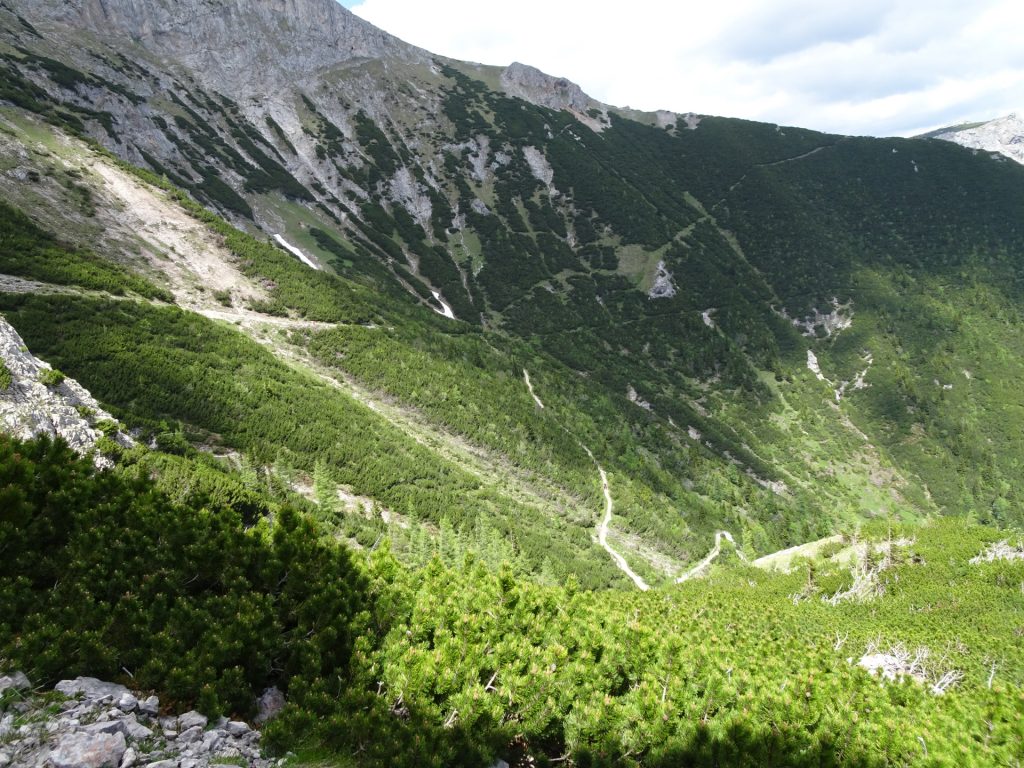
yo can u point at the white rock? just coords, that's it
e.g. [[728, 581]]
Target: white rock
[[129, 758], [212, 740], [1004, 135], [127, 703], [83, 750], [28, 408], [6, 725], [663, 287], [91, 688]]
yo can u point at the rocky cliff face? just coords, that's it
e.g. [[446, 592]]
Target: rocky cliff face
[[37, 402], [235, 44], [544, 90], [1004, 135]]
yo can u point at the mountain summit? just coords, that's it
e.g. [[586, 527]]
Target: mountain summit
[[234, 44], [1004, 135]]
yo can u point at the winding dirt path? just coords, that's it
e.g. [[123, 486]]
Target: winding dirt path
[[529, 386], [602, 530], [609, 506], [709, 558]]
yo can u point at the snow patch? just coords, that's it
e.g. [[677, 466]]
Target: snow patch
[[445, 310], [296, 252]]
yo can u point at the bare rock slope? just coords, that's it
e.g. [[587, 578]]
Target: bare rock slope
[[38, 401], [1004, 135]]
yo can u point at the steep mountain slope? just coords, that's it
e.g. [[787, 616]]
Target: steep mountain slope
[[1004, 135], [706, 304], [491, 423]]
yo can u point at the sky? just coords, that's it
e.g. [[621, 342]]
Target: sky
[[865, 67]]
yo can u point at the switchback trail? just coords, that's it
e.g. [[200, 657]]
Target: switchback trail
[[710, 557], [602, 528]]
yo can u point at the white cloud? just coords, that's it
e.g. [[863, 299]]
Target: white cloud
[[871, 67]]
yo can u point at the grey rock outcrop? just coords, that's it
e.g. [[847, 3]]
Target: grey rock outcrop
[[1004, 135], [544, 90], [236, 45], [92, 689], [29, 408], [92, 730]]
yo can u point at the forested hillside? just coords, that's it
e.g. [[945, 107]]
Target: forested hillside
[[492, 430]]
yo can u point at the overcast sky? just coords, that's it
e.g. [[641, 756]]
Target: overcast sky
[[896, 67]]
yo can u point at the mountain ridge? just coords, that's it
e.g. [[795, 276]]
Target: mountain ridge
[[1004, 135]]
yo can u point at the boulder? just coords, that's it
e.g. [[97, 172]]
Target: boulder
[[105, 726], [191, 719], [135, 730], [88, 750], [127, 703], [269, 704], [16, 682], [150, 706], [190, 735], [237, 728], [91, 688]]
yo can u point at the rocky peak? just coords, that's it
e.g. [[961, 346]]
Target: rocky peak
[[544, 90], [244, 45], [1004, 135]]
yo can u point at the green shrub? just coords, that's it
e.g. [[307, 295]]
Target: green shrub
[[51, 377], [102, 575]]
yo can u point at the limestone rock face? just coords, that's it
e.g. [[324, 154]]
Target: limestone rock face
[[30, 408], [237, 44], [544, 90], [1004, 135]]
